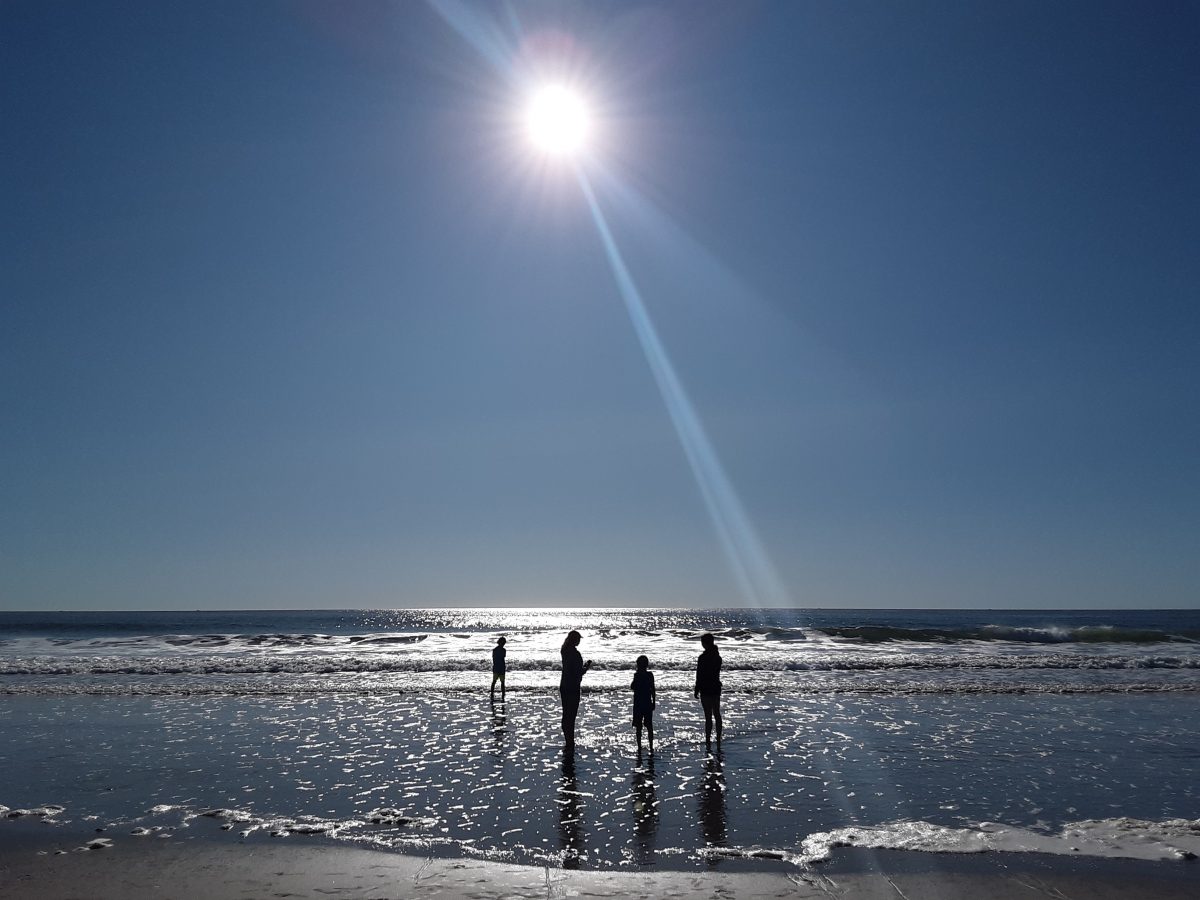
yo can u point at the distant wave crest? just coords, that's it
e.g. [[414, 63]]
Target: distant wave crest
[[262, 664], [857, 634], [1087, 634]]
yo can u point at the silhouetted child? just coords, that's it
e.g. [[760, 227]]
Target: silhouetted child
[[644, 700], [498, 666]]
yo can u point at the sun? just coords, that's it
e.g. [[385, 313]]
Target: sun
[[558, 121]]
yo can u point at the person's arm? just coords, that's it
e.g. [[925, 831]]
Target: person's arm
[[699, 669], [653, 691]]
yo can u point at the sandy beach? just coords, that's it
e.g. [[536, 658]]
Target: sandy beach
[[129, 869]]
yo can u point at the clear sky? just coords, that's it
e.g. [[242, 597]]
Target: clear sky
[[294, 317]]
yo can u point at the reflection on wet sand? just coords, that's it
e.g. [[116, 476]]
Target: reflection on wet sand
[[447, 773], [711, 805], [645, 812], [570, 815], [499, 726]]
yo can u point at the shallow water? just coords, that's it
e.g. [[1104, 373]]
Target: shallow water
[[1073, 732], [467, 776]]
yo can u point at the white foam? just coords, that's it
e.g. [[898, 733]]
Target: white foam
[[389, 816], [229, 816], [48, 811], [1117, 838]]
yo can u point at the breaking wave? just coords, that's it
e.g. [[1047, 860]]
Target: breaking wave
[[325, 665]]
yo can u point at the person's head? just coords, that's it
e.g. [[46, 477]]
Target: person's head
[[707, 641], [643, 663], [500, 642], [573, 639]]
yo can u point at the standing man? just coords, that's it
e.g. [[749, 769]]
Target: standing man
[[708, 686], [498, 667]]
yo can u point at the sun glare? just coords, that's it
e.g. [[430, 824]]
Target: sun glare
[[557, 121]]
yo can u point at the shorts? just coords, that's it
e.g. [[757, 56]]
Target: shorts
[[643, 717]]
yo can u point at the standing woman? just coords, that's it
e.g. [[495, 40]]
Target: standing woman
[[708, 686], [573, 668]]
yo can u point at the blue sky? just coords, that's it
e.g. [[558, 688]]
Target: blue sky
[[292, 317]]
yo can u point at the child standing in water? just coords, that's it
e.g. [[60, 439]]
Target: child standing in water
[[644, 700], [498, 667]]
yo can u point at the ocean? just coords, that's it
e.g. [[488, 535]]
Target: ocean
[[1069, 732]]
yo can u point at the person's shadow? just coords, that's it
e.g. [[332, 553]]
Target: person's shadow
[[645, 812], [570, 815], [710, 799], [499, 726]]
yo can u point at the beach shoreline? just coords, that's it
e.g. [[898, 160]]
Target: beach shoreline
[[972, 767], [139, 869]]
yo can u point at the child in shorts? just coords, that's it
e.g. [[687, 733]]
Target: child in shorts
[[644, 700]]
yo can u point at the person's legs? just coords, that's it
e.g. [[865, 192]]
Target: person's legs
[[570, 703], [649, 731], [495, 678], [642, 720], [716, 708], [706, 702], [501, 677]]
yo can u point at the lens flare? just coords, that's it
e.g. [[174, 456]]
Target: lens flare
[[757, 579], [558, 121]]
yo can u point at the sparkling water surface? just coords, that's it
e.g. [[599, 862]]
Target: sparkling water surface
[[867, 721]]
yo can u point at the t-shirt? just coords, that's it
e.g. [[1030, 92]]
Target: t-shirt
[[708, 672], [498, 654], [572, 670], [643, 690]]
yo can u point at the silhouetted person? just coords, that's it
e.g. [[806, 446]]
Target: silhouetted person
[[708, 686], [573, 668], [499, 666], [645, 698], [710, 801]]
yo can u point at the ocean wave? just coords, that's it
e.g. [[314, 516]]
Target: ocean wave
[[1097, 634], [1172, 839], [336, 664], [1087, 634], [1121, 837]]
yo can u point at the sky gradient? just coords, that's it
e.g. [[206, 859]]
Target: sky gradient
[[292, 316]]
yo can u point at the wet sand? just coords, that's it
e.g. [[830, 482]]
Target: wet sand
[[453, 775], [207, 870]]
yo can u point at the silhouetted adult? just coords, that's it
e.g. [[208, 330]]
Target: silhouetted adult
[[573, 668], [708, 686]]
